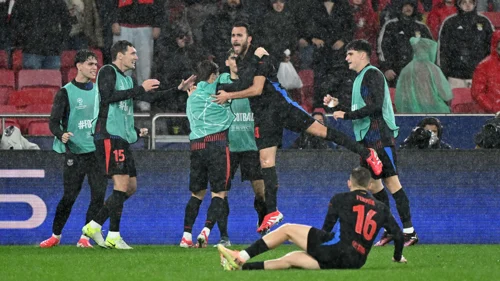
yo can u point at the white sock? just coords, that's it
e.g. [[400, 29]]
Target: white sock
[[408, 230], [93, 224], [187, 236], [207, 231], [244, 255], [113, 234], [84, 237], [57, 236]]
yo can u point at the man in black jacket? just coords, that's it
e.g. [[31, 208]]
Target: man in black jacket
[[464, 40]]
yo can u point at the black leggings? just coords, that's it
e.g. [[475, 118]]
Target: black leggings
[[76, 166]]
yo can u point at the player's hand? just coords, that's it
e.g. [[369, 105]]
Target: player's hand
[[156, 32], [143, 132], [116, 29], [150, 84], [402, 260], [191, 90], [221, 97], [65, 137], [260, 52], [330, 101], [318, 42], [338, 114], [185, 85], [390, 74], [338, 45]]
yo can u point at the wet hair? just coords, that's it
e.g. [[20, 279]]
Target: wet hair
[[245, 25], [205, 69], [361, 177], [360, 45], [120, 47], [83, 55]]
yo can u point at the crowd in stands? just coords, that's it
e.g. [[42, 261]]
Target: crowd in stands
[[439, 56]]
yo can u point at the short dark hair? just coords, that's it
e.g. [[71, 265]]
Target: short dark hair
[[83, 55], [360, 176], [245, 25], [360, 45], [120, 47], [205, 69]]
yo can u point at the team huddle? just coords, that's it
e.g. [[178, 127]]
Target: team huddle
[[221, 140]]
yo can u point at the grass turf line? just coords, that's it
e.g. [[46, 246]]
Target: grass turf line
[[425, 262]]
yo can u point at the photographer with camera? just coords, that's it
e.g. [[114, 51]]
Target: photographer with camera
[[427, 135], [489, 136]]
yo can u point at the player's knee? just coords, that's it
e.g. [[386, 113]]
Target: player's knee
[[267, 162]]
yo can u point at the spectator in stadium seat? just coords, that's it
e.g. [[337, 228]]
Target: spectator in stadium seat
[[367, 25], [86, 28], [438, 14], [332, 28], [276, 32], [486, 81], [301, 11], [139, 21], [393, 46], [41, 29], [422, 86], [464, 40]]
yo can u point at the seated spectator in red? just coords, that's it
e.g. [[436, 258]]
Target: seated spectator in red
[[486, 79], [367, 26], [438, 14]]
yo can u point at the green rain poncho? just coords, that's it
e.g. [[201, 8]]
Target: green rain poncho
[[422, 86]]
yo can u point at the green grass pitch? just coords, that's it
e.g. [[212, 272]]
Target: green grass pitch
[[425, 262]]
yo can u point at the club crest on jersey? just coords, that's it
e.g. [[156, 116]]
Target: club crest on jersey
[[80, 104], [479, 26], [70, 162]]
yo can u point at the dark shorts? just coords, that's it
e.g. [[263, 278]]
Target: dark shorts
[[249, 163], [271, 119], [388, 157], [332, 256], [114, 157], [210, 163]]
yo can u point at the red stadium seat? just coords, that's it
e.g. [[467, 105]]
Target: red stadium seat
[[4, 59], [307, 77], [17, 60], [100, 59], [70, 75], [494, 17], [462, 102], [28, 96], [9, 121], [39, 128], [4, 95], [45, 78], [67, 63], [7, 79]]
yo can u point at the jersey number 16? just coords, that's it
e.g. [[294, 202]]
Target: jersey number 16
[[365, 226]]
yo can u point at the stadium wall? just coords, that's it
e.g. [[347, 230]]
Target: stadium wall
[[453, 195]]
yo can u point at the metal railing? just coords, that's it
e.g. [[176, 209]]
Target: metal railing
[[3, 116], [166, 138]]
